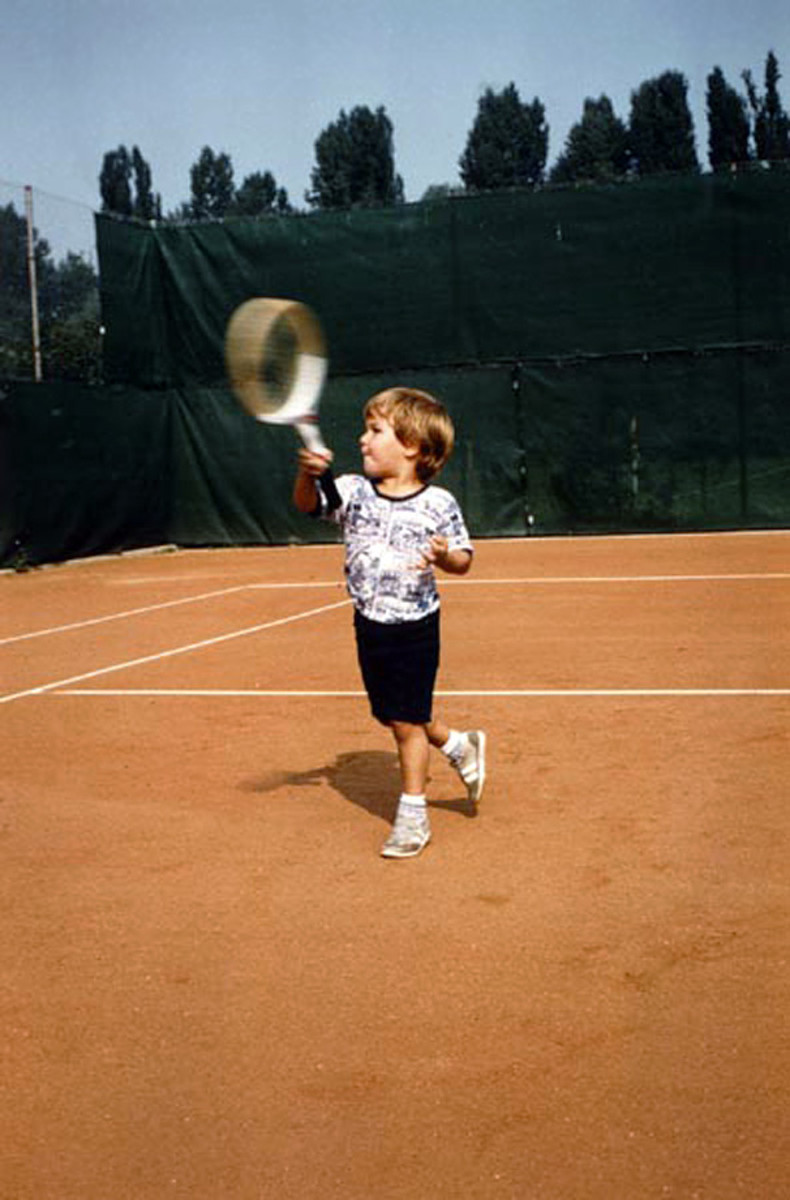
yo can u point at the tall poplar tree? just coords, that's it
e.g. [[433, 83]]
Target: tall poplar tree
[[212, 191], [661, 128], [771, 123], [507, 144], [115, 182], [146, 206], [125, 185], [728, 123]]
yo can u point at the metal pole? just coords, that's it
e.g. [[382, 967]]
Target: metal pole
[[31, 275]]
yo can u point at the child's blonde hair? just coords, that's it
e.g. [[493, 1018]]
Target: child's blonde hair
[[419, 420]]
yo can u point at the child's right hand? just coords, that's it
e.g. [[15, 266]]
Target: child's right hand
[[314, 464]]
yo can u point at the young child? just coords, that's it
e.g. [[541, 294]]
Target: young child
[[397, 527]]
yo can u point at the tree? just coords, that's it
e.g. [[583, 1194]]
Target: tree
[[70, 334], [146, 206], [114, 185], [259, 195], [728, 123], [771, 123], [212, 190], [596, 147], [119, 169], [68, 307], [355, 162], [507, 144], [661, 129], [71, 286], [16, 354]]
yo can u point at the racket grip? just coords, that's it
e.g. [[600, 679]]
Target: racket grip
[[327, 484], [311, 436]]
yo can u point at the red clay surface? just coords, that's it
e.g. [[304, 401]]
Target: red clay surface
[[213, 987]]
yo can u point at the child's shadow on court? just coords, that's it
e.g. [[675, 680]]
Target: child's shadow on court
[[370, 779]]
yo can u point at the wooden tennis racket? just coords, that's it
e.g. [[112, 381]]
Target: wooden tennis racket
[[275, 354]]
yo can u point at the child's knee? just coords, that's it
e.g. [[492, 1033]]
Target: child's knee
[[405, 731]]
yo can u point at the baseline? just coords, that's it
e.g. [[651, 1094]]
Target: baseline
[[543, 693], [529, 580]]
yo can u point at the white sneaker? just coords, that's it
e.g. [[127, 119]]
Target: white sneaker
[[470, 764], [410, 834]]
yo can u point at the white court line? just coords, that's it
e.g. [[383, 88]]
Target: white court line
[[516, 581], [565, 579], [131, 612], [680, 535], [507, 693], [149, 658]]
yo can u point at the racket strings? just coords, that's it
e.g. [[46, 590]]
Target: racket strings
[[277, 367]]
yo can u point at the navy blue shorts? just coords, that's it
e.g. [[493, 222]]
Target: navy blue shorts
[[399, 665]]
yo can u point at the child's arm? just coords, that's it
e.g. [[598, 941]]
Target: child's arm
[[454, 562], [311, 468]]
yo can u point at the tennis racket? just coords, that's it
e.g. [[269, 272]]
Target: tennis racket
[[275, 354]]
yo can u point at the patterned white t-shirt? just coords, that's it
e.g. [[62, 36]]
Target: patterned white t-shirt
[[384, 538]]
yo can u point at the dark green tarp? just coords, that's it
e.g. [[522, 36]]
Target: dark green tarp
[[615, 358], [680, 263], [85, 471]]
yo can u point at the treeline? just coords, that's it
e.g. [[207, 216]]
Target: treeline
[[68, 308], [507, 146]]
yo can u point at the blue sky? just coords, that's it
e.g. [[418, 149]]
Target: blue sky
[[261, 80]]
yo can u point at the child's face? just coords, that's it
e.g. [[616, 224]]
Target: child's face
[[383, 455]]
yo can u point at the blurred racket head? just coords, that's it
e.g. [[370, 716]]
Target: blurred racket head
[[275, 355]]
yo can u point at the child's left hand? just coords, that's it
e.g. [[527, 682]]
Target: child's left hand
[[438, 554], [435, 553]]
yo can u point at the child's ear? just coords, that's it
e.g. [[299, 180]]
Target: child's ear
[[411, 451]]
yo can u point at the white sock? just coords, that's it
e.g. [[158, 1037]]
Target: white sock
[[454, 745], [412, 801]]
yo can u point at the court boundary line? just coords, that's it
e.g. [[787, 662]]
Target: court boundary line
[[500, 539], [511, 581], [529, 580], [131, 612], [496, 693], [504, 539], [149, 608], [176, 650]]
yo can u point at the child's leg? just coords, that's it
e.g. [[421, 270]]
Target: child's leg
[[412, 830], [466, 752], [412, 743], [438, 733]]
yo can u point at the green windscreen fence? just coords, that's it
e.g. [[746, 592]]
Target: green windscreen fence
[[615, 358], [680, 263]]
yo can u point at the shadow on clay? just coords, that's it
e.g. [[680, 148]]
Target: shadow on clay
[[370, 779]]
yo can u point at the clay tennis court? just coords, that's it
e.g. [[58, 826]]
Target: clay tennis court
[[214, 987]]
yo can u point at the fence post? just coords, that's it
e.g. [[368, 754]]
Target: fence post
[[33, 283]]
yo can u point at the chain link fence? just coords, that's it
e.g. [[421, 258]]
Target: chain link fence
[[50, 328]]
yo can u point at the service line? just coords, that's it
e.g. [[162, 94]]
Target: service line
[[163, 654], [130, 612], [517, 581]]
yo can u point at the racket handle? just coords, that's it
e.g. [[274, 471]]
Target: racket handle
[[327, 484], [311, 436]]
